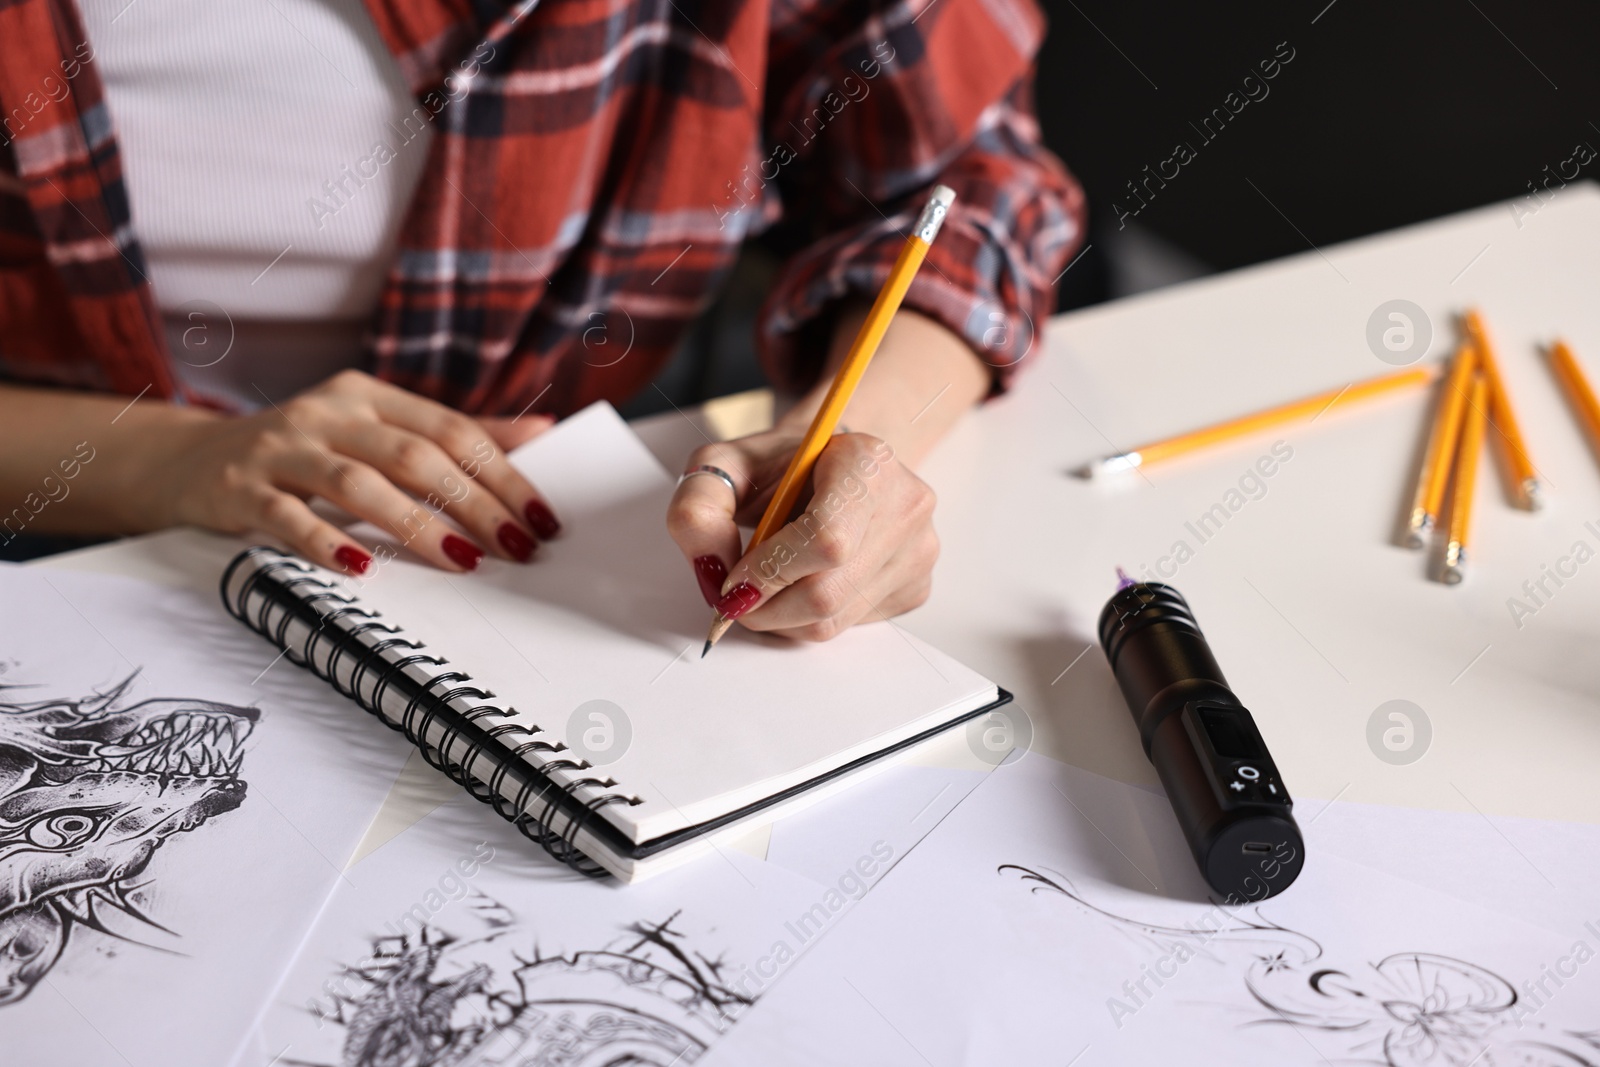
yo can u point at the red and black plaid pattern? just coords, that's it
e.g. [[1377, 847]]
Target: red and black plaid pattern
[[596, 165]]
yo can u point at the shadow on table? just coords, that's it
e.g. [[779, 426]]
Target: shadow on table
[[1080, 718]]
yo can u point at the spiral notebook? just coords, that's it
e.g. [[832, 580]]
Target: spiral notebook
[[569, 693]]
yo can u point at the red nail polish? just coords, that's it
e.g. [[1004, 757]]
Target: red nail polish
[[712, 572], [462, 552], [516, 542], [541, 518], [353, 559], [740, 599]]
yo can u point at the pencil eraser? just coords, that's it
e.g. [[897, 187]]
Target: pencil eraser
[[944, 196]]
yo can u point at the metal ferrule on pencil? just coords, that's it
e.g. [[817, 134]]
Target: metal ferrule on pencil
[[1112, 464], [1418, 528], [1533, 494], [933, 214]]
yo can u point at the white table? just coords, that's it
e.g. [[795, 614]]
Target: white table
[[1314, 614]]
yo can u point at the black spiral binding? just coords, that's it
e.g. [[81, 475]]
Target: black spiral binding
[[547, 811]]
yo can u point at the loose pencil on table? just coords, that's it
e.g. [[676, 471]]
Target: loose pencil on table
[[1434, 477], [1474, 425], [1579, 393], [1306, 408], [1525, 487]]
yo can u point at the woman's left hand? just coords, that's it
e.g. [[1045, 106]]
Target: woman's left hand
[[862, 548]]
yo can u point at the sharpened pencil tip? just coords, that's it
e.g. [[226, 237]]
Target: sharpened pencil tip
[[703, 651]]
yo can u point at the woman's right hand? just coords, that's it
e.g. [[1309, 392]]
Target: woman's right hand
[[381, 453]]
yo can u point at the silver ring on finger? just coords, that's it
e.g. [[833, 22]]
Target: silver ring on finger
[[716, 472]]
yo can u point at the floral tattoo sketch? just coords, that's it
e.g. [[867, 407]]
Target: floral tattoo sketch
[[88, 791], [426, 998], [1410, 1009]]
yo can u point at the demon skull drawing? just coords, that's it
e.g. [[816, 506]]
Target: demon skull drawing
[[88, 791], [427, 999]]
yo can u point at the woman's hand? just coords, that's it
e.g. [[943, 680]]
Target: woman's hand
[[379, 452], [863, 548]]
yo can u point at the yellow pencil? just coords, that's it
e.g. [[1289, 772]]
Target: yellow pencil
[[848, 377], [1525, 488], [1308, 407], [1579, 394], [1466, 474], [1435, 474]]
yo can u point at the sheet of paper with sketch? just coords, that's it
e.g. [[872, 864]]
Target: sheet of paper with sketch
[[174, 810], [1057, 917]]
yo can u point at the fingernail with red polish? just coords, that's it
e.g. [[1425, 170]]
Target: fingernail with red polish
[[541, 518], [462, 553], [712, 572], [516, 542], [740, 599], [353, 559]]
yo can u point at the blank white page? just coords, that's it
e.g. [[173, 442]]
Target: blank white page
[[610, 611]]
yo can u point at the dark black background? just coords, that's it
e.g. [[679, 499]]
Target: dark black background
[[1390, 113]]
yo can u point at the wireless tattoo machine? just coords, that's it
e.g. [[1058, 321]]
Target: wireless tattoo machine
[[1220, 778]]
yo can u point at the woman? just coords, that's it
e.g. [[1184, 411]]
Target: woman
[[254, 254]]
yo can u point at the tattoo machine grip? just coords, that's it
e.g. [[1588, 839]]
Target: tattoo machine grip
[[1219, 777]]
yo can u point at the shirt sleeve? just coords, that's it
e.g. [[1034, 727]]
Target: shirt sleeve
[[870, 104]]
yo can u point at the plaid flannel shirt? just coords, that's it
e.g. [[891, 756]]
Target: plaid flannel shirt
[[596, 165]]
